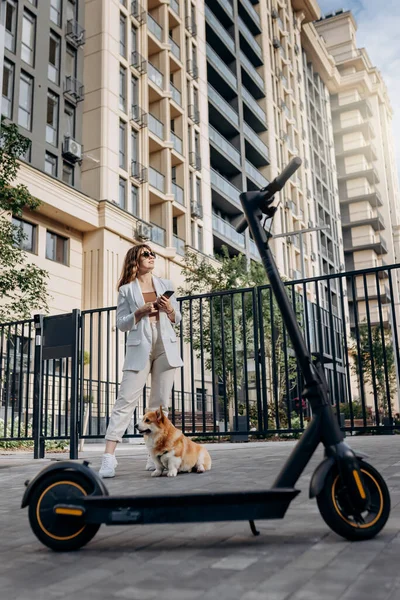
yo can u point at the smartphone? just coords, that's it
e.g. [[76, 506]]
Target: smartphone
[[168, 293]]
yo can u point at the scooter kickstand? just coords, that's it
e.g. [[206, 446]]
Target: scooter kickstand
[[254, 531]]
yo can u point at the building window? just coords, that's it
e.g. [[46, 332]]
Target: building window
[[134, 145], [50, 164], [134, 94], [122, 145], [134, 209], [8, 89], [28, 242], [70, 62], [25, 101], [33, 2], [201, 395], [122, 35], [53, 72], [122, 88], [133, 39], [52, 119], [28, 38], [11, 25], [68, 174], [56, 248], [55, 11], [71, 12], [200, 238], [69, 121], [122, 192]]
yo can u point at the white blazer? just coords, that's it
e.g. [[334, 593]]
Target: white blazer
[[138, 343]]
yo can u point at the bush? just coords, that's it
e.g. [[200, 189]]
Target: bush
[[10, 444]]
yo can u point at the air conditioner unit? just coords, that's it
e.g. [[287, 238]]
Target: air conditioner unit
[[196, 209], [143, 230], [274, 13], [72, 149], [276, 43]]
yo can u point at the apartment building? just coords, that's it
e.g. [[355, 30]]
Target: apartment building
[[366, 176]]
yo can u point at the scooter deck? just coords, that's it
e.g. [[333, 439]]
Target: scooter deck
[[189, 508]]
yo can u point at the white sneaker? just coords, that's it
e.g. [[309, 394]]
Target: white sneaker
[[150, 466], [108, 466]]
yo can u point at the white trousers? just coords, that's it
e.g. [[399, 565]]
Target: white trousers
[[133, 382]]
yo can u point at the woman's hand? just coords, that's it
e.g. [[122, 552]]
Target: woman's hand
[[146, 309], [164, 304]]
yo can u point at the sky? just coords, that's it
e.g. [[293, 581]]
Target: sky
[[378, 32]]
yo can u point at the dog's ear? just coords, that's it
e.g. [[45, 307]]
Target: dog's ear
[[160, 414]]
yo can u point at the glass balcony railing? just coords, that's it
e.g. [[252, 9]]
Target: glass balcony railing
[[155, 126], [175, 49], [158, 234], [154, 27], [179, 244], [253, 105], [177, 143], [224, 145], [176, 94], [252, 71], [175, 6], [178, 193], [155, 76], [227, 5], [156, 179], [228, 231], [221, 67], [255, 140], [223, 105], [219, 29], [225, 187], [250, 38], [252, 12], [255, 175]]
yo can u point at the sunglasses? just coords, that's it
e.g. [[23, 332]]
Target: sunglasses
[[148, 254]]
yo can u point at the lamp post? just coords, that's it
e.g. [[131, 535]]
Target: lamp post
[[300, 233]]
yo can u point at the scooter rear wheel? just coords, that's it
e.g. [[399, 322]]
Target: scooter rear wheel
[[60, 532], [336, 511]]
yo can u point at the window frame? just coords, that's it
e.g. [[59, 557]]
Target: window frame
[[56, 38], [21, 223], [10, 93], [26, 78], [28, 16], [52, 156], [65, 241], [56, 114]]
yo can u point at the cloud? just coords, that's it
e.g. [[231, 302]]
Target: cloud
[[378, 33]]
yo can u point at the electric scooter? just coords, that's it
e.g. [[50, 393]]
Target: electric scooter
[[68, 501]]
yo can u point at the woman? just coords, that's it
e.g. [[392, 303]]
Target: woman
[[151, 345]]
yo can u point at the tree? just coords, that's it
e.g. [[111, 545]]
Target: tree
[[375, 354], [22, 285], [220, 329]]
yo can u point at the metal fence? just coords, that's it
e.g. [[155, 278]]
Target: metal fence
[[240, 373]]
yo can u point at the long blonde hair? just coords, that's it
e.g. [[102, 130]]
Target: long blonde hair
[[130, 267]]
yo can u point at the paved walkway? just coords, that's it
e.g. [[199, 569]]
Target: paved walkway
[[294, 559]]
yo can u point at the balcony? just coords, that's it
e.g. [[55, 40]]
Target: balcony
[[194, 113], [156, 180], [138, 62], [195, 160], [226, 5], [371, 217], [255, 147], [366, 242], [255, 110], [255, 175], [156, 76], [251, 78], [196, 209], [178, 193], [227, 231], [219, 30], [223, 146], [353, 125], [176, 94], [74, 90], [138, 171], [156, 127], [177, 143], [373, 292], [362, 104], [138, 11], [138, 115], [366, 148], [363, 170], [221, 68], [190, 23], [75, 34], [154, 27], [158, 234], [224, 109], [174, 4], [251, 45], [225, 188], [175, 49], [179, 244], [192, 68], [360, 194], [250, 16]]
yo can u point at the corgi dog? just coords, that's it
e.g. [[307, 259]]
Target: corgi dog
[[169, 448]]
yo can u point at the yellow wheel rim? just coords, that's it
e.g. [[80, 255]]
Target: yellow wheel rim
[[42, 527], [357, 525]]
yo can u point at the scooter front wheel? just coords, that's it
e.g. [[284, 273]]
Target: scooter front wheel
[[61, 532], [335, 508]]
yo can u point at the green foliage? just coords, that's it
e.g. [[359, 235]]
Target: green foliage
[[374, 353], [22, 285], [9, 444]]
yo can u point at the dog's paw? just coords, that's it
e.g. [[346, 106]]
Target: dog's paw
[[156, 473], [200, 469], [172, 473], [150, 467]]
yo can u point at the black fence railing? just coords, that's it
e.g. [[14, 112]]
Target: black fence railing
[[240, 373]]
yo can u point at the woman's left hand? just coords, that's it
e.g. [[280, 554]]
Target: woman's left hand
[[164, 304]]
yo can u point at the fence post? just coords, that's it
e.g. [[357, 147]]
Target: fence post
[[38, 441], [73, 431]]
